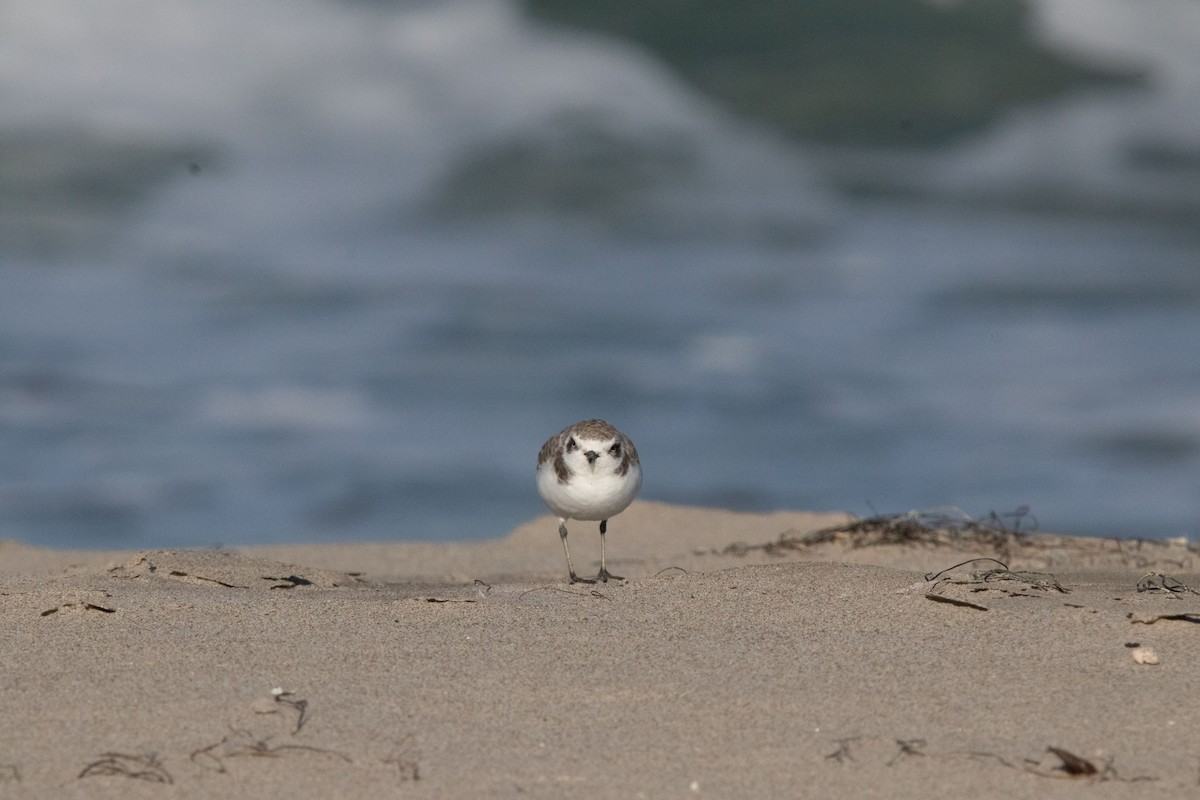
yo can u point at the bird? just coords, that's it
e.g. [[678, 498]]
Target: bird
[[588, 471]]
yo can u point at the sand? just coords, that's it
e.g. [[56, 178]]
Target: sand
[[475, 670]]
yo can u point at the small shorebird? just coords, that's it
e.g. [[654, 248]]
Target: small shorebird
[[588, 471]]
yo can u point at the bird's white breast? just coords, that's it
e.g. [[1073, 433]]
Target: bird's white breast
[[587, 495]]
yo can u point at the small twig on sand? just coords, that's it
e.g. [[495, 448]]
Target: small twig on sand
[[139, 767]]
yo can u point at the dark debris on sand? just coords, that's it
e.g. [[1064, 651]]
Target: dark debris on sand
[[933, 527]]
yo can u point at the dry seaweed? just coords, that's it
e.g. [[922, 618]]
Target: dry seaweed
[[288, 581], [1186, 616], [139, 767], [930, 576], [932, 527], [843, 754], [297, 704], [1042, 581], [242, 743], [85, 606], [1072, 764], [941, 598], [1158, 582], [178, 573], [908, 747], [1056, 762]]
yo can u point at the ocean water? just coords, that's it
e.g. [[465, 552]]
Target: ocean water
[[332, 271]]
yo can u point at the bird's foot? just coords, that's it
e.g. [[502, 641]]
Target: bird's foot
[[605, 575], [576, 579]]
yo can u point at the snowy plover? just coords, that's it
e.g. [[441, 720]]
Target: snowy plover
[[588, 471]]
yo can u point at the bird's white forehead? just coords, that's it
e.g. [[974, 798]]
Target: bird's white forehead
[[582, 440]]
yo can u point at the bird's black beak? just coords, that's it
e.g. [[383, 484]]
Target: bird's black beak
[[591, 456]]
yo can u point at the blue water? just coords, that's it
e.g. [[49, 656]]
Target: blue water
[[340, 282]]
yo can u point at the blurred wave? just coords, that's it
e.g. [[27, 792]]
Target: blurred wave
[[855, 72], [333, 270]]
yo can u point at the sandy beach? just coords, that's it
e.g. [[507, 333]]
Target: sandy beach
[[745, 656]]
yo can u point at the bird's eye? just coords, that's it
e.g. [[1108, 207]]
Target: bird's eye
[[615, 450], [571, 446]]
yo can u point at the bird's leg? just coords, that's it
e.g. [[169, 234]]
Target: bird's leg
[[562, 533], [604, 573]]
